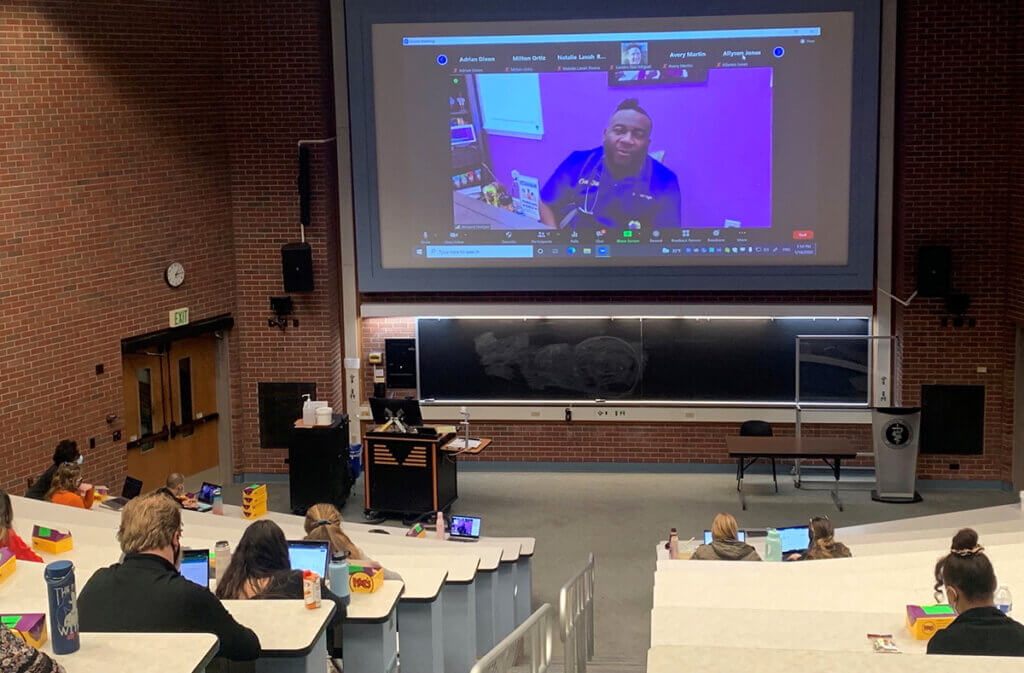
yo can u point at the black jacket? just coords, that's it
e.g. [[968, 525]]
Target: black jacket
[[39, 487], [145, 593], [981, 632], [287, 584]]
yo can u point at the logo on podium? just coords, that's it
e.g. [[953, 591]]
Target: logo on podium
[[896, 434]]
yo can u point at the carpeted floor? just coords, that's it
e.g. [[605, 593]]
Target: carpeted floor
[[620, 517]]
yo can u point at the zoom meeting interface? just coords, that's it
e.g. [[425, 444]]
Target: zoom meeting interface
[[689, 141]]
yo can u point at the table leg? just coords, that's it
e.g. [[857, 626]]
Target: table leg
[[505, 618], [740, 469], [422, 636], [775, 479], [835, 485], [486, 596], [524, 589], [314, 662]]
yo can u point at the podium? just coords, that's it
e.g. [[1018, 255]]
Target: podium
[[896, 431], [408, 473]]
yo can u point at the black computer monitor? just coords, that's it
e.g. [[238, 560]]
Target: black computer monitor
[[407, 411]]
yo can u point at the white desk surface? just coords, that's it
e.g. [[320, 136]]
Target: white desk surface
[[459, 569], [979, 519], [753, 660], [780, 629], [139, 652], [489, 557], [284, 627], [374, 607], [422, 583]]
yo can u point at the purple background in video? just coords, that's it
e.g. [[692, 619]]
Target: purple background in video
[[717, 137]]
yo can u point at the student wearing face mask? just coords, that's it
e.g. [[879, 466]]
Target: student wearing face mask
[[66, 452], [146, 594], [970, 581]]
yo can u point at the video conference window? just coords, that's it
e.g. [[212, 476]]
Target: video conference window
[[713, 140]]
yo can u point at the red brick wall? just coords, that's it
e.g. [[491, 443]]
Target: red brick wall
[[137, 133]]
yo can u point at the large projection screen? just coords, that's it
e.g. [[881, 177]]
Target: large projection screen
[[654, 145]]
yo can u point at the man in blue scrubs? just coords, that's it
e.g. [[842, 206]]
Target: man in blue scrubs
[[616, 185]]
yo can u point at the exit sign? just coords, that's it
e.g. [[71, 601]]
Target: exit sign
[[179, 317]]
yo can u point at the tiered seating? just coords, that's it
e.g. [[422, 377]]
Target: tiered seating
[[727, 616], [461, 598]]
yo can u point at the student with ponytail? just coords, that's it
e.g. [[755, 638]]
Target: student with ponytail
[[823, 544], [970, 582], [323, 523]]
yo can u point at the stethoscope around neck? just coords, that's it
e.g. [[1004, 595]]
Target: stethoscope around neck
[[596, 173]]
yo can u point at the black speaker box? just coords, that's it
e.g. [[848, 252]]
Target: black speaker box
[[934, 265], [297, 267]]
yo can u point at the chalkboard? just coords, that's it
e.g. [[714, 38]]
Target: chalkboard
[[634, 359]]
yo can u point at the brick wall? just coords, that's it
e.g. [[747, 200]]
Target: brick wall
[[137, 133]]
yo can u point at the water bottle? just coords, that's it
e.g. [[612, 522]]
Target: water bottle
[[1004, 600], [337, 575], [221, 558], [673, 544], [439, 526], [773, 546], [218, 502], [60, 588]]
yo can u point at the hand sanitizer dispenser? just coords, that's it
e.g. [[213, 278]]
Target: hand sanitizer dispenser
[[308, 411]]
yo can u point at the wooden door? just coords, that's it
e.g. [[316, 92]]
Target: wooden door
[[171, 410]]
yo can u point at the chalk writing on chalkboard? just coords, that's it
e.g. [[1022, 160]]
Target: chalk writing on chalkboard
[[597, 367]]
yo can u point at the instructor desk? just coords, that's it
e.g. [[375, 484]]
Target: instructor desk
[[747, 450]]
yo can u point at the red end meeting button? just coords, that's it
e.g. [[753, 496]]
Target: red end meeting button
[[803, 235]]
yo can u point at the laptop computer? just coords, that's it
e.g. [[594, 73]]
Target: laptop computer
[[795, 540], [132, 488], [308, 555], [464, 529], [204, 499], [195, 566], [741, 537]]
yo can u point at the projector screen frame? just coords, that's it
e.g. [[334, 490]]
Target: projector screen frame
[[856, 274]]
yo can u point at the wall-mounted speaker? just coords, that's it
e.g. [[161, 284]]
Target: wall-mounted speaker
[[934, 266], [297, 267]]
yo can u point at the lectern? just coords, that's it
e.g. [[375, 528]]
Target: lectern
[[408, 473]]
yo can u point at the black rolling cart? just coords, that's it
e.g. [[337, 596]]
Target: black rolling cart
[[318, 467]]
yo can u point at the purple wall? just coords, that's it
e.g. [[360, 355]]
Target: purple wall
[[717, 137]]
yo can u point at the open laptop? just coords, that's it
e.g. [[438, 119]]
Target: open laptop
[[795, 540], [308, 555], [464, 529], [132, 488], [204, 498], [741, 536], [195, 566]]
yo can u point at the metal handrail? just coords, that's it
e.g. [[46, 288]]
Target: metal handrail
[[576, 618], [533, 639]]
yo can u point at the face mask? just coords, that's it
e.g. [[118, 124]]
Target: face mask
[[81, 459], [178, 553]]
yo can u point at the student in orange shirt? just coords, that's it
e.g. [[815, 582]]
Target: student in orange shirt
[[67, 487], [10, 539]]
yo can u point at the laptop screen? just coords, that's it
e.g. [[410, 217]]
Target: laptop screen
[[132, 487], [465, 526], [708, 539], [308, 555], [206, 492], [794, 539], [195, 566]]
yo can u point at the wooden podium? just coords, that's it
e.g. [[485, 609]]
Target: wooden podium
[[408, 473]]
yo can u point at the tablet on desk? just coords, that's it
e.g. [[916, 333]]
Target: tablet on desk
[[741, 536], [308, 555], [195, 566]]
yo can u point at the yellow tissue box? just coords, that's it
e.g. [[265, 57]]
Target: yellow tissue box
[[51, 540], [31, 626], [7, 563], [924, 621], [365, 579], [254, 511]]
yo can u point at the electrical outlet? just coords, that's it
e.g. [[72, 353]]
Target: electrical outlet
[[983, 370], [99, 369], [92, 442]]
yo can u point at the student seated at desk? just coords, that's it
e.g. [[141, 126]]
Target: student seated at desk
[[724, 545], [980, 628], [260, 569], [323, 523], [174, 488], [18, 656], [10, 539], [823, 544], [67, 488], [66, 452], [146, 594]]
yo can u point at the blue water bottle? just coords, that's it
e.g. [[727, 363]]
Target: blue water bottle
[[60, 588], [337, 573]]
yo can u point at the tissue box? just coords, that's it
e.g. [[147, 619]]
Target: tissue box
[[365, 579], [254, 501], [51, 540], [31, 626], [7, 563], [924, 621]]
